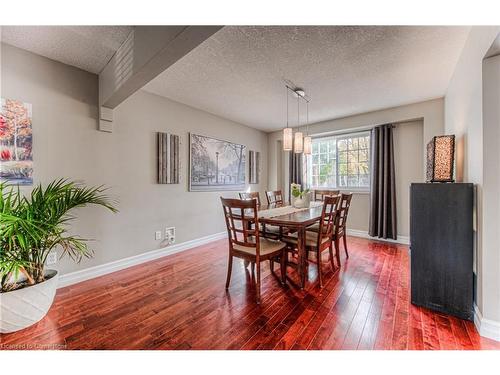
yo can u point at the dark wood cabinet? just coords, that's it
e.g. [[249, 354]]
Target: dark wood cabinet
[[441, 247]]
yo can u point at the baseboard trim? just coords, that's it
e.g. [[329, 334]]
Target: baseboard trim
[[117, 265], [486, 327], [405, 240]]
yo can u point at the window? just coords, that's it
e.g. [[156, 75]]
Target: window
[[341, 162]]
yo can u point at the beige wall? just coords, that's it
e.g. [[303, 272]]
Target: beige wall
[[67, 144], [424, 120], [464, 117]]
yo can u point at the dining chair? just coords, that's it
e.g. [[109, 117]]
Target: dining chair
[[274, 197], [245, 241], [253, 195], [341, 226], [319, 195], [319, 241], [268, 231], [340, 230]]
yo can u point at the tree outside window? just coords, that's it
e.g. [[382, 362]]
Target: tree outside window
[[341, 162]]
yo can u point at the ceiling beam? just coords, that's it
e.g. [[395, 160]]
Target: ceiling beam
[[146, 52]]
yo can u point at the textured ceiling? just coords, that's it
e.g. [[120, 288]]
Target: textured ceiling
[[239, 72], [86, 47]]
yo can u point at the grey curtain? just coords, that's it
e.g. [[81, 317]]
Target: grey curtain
[[295, 170], [383, 184]]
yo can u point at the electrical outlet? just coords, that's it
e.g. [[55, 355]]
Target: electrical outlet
[[51, 258], [158, 235], [170, 235]]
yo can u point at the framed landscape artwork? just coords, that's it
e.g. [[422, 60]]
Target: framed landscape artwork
[[215, 165], [16, 140]]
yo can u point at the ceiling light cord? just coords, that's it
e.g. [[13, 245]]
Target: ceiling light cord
[[286, 90]]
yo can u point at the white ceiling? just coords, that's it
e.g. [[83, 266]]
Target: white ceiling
[[239, 72], [86, 47]]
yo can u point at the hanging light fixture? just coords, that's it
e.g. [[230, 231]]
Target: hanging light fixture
[[287, 132], [298, 145], [307, 138]]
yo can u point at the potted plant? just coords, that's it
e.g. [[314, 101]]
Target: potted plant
[[300, 199], [31, 227]]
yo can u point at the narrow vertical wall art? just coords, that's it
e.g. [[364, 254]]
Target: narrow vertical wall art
[[168, 158], [254, 163]]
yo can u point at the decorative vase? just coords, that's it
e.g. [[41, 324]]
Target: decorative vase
[[24, 307], [307, 200], [298, 202]]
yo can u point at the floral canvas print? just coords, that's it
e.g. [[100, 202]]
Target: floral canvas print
[[216, 165], [16, 140]]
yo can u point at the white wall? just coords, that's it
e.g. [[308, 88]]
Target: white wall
[[464, 117], [67, 144], [425, 120]]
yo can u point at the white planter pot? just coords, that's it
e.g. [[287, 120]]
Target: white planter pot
[[298, 203], [24, 307]]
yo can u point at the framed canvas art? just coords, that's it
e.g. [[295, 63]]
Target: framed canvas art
[[16, 142], [215, 165], [168, 158]]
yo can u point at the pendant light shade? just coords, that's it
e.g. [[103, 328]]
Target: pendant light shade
[[298, 145], [287, 139], [307, 145]]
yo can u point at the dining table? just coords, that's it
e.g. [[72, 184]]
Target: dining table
[[294, 220]]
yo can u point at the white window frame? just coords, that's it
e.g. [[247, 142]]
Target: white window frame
[[337, 138]]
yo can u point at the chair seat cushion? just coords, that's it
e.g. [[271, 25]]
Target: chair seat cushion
[[311, 238], [267, 246]]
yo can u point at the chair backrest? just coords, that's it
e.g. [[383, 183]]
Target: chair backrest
[[319, 195], [274, 197], [331, 207], [242, 222], [253, 195], [345, 203]]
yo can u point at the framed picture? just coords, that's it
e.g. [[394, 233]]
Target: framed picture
[[215, 165], [16, 142], [253, 167]]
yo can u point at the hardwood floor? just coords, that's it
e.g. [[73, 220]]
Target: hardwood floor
[[179, 302]]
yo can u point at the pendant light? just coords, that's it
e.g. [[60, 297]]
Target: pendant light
[[307, 138], [298, 145], [287, 132]]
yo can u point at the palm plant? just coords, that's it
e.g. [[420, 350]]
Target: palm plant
[[31, 226]]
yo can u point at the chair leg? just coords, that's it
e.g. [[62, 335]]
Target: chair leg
[[320, 277], [271, 265], [253, 268], [337, 251], [344, 237], [229, 269], [330, 250], [283, 267], [257, 286]]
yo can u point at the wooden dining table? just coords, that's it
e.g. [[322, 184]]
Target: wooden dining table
[[297, 220]]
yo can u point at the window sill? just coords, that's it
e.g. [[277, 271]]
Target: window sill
[[354, 191], [360, 192]]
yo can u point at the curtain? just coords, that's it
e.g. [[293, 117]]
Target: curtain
[[383, 184], [295, 172]]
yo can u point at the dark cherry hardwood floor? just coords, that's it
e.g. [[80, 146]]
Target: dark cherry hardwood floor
[[179, 302]]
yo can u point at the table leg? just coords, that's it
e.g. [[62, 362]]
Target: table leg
[[301, 247]]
